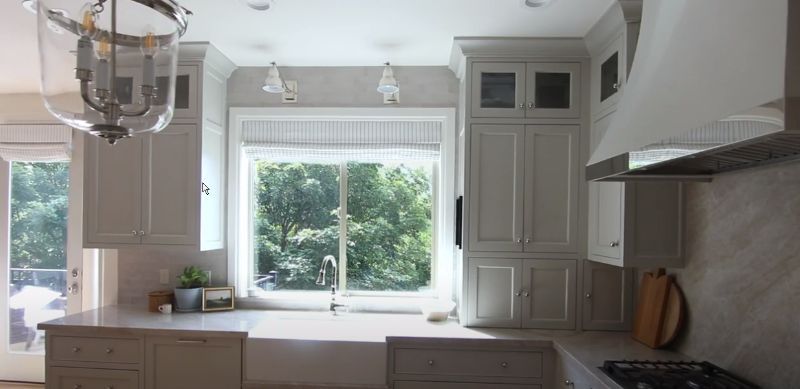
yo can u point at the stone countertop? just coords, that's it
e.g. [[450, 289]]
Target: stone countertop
[[588, 348]]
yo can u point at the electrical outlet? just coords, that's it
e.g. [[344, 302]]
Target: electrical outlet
[[163, 276]]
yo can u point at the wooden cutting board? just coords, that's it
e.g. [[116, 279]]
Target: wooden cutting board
[[659, 312]]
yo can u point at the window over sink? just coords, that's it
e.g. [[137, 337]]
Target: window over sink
[[374, 192]]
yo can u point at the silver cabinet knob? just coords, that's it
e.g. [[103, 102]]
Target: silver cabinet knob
[[76, 349], [430, 362], [519, 240], [110, 387], [569, 384], [589, 295], [77, 386], [109, 350], [615, 86], [141, 232], [525, 293], [504, 364], [527, 240], [135, 233], [73, 288], [531, 105], [614, 243], [522, 105], [519, 293]]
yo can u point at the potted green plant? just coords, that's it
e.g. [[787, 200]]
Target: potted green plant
[[189, 295]]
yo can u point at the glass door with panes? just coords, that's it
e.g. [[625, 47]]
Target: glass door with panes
[[498, 90], [553, 90], [41, 261]]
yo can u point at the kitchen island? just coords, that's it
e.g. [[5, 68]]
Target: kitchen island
[[271, 349]]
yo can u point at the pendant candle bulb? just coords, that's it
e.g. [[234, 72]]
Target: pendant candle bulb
[[116, 92]]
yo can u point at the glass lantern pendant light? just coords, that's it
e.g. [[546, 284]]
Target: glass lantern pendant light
[[110, 70]]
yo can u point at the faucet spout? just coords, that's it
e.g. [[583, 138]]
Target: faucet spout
[[334, 282]]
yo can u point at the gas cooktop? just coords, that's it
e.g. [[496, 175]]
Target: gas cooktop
[[672, 375]]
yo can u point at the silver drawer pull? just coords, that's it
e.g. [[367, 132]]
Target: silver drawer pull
[[76, 349], [110, 387], [613, 244], [569, 384], [109, 350], [430, 362], [191, 341], [504, 364]]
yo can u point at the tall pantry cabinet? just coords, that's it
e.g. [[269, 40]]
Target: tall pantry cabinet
[[524, 132], [166, 188]]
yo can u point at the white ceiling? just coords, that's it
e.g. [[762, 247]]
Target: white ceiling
[[329, 33]]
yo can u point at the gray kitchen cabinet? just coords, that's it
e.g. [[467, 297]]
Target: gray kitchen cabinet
[[524, 188], [551, 188], [173, 362], [165, 188], [521, 293], [496, 188], [548, 293], [636, 224], [608, 75], [607, 297], [553, 90], [493, 297], [468, 363], [143, 189], [498, 89], [525, 90], [570, 374]]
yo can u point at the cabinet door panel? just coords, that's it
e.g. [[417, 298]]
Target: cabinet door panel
[[498, 89], [112, 191], [187, 92], [608, 75], [194, 363], [654, 222], [605, 220], [496, 178], [550, 284], [171, 190], [553, 90], [492, 287], [607, 300], [551, 189], [212, 201]]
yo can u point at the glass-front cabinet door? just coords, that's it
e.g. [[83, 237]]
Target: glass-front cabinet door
[[187, 92], [498, 90], [608, 76], [553, 90]]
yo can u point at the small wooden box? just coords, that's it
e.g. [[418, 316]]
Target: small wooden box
[[157, 298]]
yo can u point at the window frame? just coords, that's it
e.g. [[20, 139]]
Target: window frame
[[240, 202]]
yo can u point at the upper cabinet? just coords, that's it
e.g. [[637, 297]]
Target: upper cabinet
[[524, 188], [608, 75], [165, 188], [525, 90]]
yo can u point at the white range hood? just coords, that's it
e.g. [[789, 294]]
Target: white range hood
[[709, 79]]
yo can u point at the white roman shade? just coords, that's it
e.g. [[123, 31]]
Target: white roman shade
[[327, 141], [35, 142]]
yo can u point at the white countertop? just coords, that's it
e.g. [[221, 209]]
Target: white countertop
[[589, 349]]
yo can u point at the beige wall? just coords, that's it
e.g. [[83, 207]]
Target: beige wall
[[742, 274]]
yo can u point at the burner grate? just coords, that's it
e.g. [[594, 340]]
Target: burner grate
[[672, 375]]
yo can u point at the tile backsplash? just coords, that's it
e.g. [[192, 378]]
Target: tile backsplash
[[139, 269], [742, 274]]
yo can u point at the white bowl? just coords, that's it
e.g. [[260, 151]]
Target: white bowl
[[437, 310]]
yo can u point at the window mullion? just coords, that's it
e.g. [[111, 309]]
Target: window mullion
[[343, 227]]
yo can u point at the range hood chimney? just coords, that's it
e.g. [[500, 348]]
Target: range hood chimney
[[714, 87]]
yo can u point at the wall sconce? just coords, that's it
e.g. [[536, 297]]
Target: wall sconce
[[275, 84], [388, 86]]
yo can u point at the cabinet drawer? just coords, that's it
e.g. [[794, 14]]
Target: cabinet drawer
[[82, 349], [518, 364], [71, 378], [458, 385]]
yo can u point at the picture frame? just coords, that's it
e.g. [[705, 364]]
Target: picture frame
[[219, 299]]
